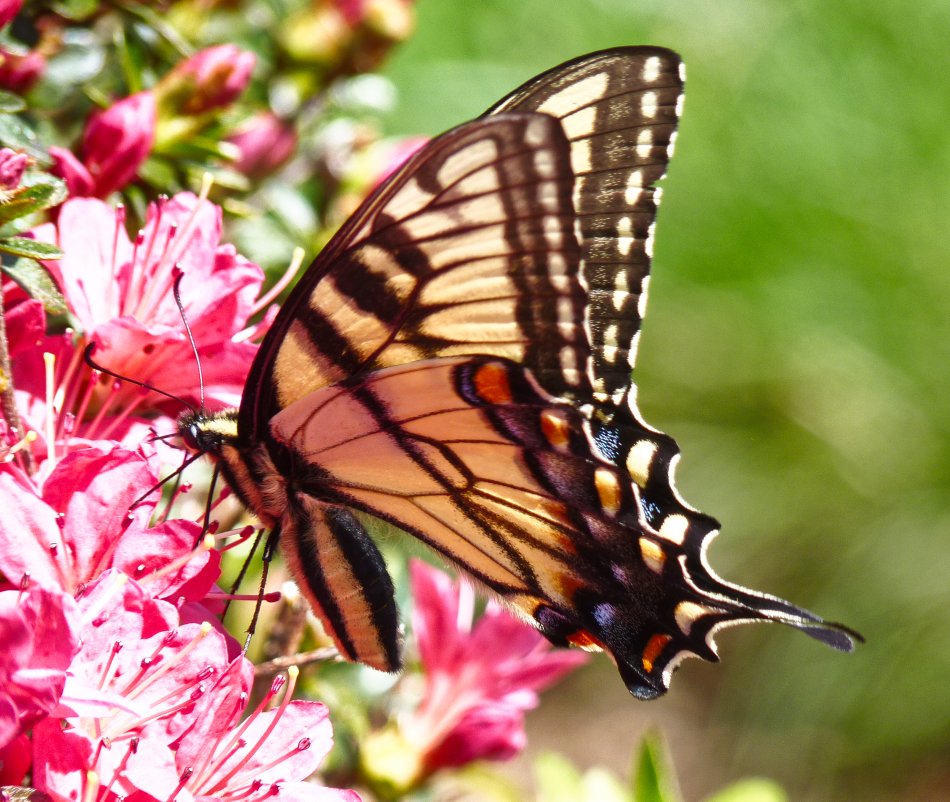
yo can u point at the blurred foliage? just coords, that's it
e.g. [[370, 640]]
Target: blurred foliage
[[797, 347]]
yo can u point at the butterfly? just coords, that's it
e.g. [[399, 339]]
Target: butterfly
[[457, 362]]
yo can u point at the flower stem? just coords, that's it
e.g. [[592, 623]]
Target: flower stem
[[7, 398]]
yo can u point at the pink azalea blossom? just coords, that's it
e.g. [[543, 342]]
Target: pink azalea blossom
[[120, 293], [265, 143], [68, 530], [212, 78], [8, 10], [12, 165], [479, 680], [39, 630], [19, 71], [115, 143], [155, 706], [24, 316]]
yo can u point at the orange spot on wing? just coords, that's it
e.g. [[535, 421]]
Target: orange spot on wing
[[608, 490], [555, 428], [654, 647], [584, 640], [491, 383]]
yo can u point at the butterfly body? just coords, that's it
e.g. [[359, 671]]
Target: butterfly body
[[458, 361]]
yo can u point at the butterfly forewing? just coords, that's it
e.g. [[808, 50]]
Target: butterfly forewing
[[469, 249], [619, 109]]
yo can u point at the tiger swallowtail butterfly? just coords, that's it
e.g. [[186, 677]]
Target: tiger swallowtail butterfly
[[457, 362]]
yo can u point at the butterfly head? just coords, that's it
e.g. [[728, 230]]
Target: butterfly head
[[208, 433]]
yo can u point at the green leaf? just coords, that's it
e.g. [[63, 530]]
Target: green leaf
[[755, 789], [654, 782], [37, 283], [42, 195], [14, 133], [11, 103], [31, 248], [76, 10]]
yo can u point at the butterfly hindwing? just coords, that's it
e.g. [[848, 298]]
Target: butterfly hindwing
[[473, 457]]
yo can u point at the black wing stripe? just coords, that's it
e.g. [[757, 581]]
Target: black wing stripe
[[344, 578]]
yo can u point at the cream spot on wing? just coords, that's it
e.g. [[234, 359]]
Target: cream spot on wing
[[557, 264], [634, 187], [568, 361], [565, 312], [644, 143], [639, 459], [674, 528], [688, 613], [652, 554], [679, 105], [622, 282], [580, 156], [648, 104], [544, 164], [648, 245], [580, 123], [672, 146], [535, 132], [651, 69], [576, 95], [624, 235]]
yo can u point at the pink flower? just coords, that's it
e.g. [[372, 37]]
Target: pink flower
[[265, 142], [120, 293], [39, 630], [19, 71], [157, 706], [24, 316], [8, 10], [115, 143], [210, 79], [12, 165], [479, 681], [65, 532]]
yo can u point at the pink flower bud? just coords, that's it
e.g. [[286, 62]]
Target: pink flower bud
[[265, 142], [117, 140], [72, 171], [19, 72], [12, 165], [210, 79], [8, 10]]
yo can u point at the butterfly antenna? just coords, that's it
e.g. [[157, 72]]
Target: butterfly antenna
[[87, 358], [179, 275]]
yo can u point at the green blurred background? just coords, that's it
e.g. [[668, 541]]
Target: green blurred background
[[796, 346]]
